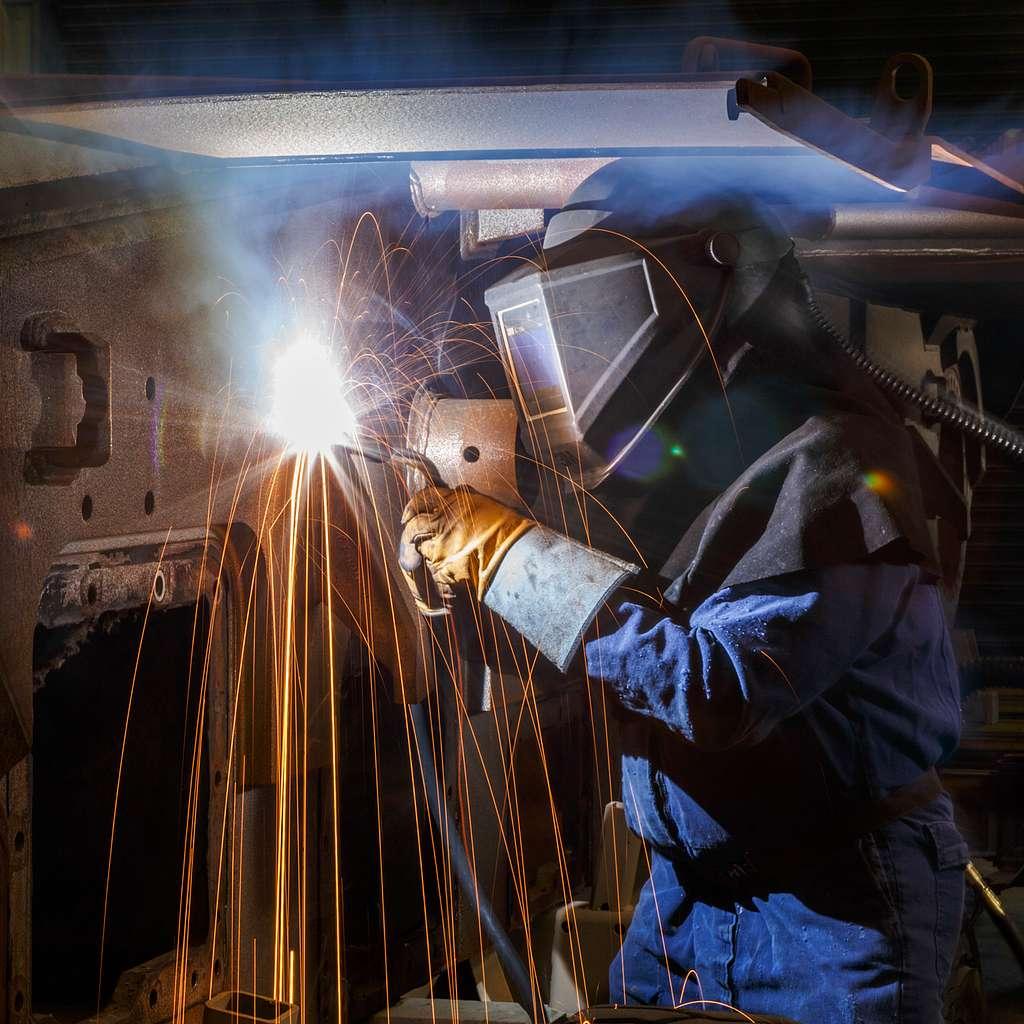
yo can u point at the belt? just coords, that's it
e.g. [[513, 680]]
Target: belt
[[804, 847]]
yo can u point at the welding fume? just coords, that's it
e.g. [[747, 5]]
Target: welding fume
[[730, 538]]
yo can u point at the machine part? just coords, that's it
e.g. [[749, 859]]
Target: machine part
[[54, 333], [618, 865], [1004, 672], [78, 591], [897, 116], [481, 232], [704, 55], [516, 973], [442, 185], [886, 221], [143, 991], [518, 121], [469, 442], [997, 912], [971, 422], [797, 113], [586, 936], [549, 588], [238, 1007], [584, 943]]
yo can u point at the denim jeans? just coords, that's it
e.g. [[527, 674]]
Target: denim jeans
[[865, 935]]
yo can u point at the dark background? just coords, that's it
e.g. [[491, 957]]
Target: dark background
[[976, 48]]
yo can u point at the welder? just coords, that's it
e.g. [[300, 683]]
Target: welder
[[760, 594]]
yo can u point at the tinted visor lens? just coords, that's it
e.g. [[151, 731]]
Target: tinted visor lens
[[532, 358]]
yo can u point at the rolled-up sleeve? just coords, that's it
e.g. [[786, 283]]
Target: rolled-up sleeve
[[749, 656]]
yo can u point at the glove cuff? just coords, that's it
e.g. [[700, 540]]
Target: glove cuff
[[549, 588]]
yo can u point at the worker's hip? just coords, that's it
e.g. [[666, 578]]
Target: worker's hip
[[865, 934]]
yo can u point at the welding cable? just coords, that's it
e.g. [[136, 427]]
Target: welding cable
[[972, 422], [518, 977]]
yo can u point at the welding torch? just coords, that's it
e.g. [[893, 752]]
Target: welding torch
[[393, 455]]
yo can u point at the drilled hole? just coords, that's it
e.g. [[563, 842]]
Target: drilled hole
[[151, 388], [216, 968], [149, 502], [159, 585], [19, 841], [19, 1002], [217, 778], [906, 82], [92, 594], [194, 979], [87, 507], [153, 998], [471, 453]]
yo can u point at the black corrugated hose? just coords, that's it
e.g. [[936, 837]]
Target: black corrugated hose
[[979, 425]]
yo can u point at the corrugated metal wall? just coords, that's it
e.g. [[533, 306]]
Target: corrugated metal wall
[[976, 49]]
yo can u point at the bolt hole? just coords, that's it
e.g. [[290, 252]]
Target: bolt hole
[[87, 507], [19, 841], [217, 778], [905, 82], [565, 927], [151, 388], [471, 454], [194, 979], [149, 503], [153, 998], [159, 585], [19, 1002], [216, 968], [92, 594]]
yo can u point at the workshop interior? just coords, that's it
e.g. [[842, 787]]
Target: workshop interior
[[270, 271]]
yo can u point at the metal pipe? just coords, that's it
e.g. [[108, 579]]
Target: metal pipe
[[443, 185], [898, 221]]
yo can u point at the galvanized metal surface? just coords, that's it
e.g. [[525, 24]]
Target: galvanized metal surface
[[588, 120]]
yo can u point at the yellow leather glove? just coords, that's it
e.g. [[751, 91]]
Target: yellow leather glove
[[461, 535]]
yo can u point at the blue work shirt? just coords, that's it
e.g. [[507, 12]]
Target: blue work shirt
[[750, 723]]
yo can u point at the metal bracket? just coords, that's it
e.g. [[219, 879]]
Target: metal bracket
[[55, 333], [703, 54], [892, 151]]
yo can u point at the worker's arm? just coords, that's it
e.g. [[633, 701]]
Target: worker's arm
[[749, 656], [728, 672]]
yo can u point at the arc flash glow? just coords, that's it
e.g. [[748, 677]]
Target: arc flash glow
[[310, 408]]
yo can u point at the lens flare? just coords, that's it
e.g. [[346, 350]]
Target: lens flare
[[310, 408]]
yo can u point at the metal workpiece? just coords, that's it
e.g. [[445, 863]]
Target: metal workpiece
[[497, 184], [115, 581], [550, 588], [393, 124], [481, 232], [472, 442], [55, 334], [886, 222], [187, 456]]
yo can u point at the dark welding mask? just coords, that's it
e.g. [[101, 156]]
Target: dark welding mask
[[600, 339]]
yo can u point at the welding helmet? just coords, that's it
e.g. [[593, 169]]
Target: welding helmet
[[601, 334]]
